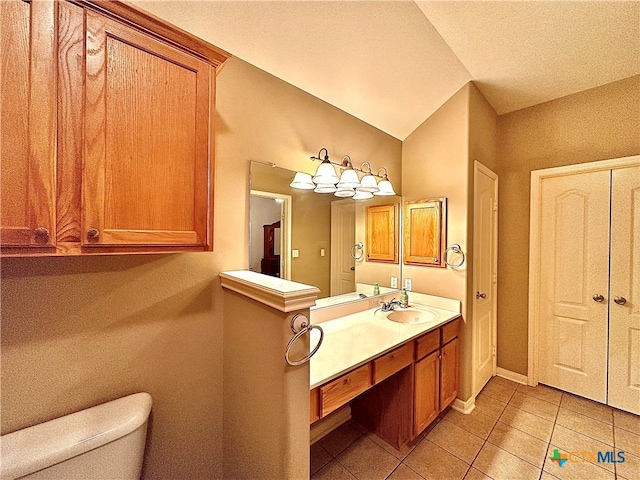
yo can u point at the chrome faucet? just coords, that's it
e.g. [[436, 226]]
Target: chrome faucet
[[390, 306]]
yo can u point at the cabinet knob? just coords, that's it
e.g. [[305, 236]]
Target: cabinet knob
[[598, 298], [42, 233], [93, 234], [481, 295], [620, 300]]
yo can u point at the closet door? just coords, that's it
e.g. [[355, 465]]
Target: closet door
[[624, 304], [574, 269]]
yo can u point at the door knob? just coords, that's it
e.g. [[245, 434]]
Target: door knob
[[598, 298], [481, 295], [353, 269], [93, 233], [620, 300]]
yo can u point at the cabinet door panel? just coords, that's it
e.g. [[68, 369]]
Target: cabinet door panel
[[382, 233], [426, 396], [624, 317], [27, 138], [147, 166], [449, 372]]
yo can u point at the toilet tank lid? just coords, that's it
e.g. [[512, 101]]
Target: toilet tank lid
[[34, 448]]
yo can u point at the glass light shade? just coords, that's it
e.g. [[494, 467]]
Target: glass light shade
[[368, 184], [302, 181], [360, 195], [345, 192], [325, 188], [325, 174], [385, 188], [349, 179]]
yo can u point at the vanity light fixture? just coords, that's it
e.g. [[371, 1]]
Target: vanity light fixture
[[302, 181], [326, 173], [384, 185], [349, 184]]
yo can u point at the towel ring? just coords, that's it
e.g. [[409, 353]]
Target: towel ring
[[300, 330], [455, 248], [357, 246]]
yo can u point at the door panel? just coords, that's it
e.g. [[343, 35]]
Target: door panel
[[147, 160], [484, 275], [624, 320], [343, 235], [574, 266], [28, 133]]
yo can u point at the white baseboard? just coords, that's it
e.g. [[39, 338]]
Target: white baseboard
[[328, 424], [465, 407], [513, 376]]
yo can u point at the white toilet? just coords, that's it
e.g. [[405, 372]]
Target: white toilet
[[103, 442]]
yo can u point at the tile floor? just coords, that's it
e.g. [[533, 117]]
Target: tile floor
[[511, 434]]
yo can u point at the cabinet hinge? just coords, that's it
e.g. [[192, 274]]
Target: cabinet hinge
[[495, 277], [495, 206], [494, 350]]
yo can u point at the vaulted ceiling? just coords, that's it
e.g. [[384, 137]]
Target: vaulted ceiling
[[392, 64]]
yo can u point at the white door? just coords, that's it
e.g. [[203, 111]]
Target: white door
[[343, 234], [574, 282], [485, 247], [624, 303]]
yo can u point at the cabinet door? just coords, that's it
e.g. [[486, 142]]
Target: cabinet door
[[624, 304], [426, 393], [449, 372], [147, 171], [27, 136], [425, 231], [382, 233]]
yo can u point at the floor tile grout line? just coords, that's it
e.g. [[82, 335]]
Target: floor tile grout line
[[527, 411]]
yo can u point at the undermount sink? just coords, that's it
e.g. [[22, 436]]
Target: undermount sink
[[413, 315]]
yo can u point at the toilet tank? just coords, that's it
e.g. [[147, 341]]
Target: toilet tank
[[103, 442]]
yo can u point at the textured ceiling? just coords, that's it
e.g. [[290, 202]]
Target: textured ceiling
[[392, 64]]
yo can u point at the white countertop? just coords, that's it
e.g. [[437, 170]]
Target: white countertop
[[355, 339]]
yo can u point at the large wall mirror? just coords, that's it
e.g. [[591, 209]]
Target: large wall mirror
[[320, 239]]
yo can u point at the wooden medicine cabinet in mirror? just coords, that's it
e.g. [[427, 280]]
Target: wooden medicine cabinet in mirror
[[425, 232], [382, 233]]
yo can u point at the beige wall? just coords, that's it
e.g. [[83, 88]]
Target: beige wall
[[435, 161], [597, 124], [79, 331]]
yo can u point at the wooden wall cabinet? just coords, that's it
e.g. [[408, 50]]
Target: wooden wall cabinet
[[382, 233], [129, 101], [28, 135], [425, 232]]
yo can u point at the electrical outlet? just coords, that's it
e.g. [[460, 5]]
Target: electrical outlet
[[407, 284], [394, 282]]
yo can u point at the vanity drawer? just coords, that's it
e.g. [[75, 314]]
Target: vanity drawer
[[427, 344], [343, 389], [450, 331], [314, 411], [392, 362]]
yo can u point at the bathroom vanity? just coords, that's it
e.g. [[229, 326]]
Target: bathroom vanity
[[396, 375]]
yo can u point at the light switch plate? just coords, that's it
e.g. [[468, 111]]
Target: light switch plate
[[322, 252], [394, 282], [407, 284], [295, 253]]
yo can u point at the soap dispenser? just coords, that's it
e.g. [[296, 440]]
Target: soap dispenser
[[404, 299]]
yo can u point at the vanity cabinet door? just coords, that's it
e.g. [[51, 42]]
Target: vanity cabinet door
[[449, 372], [28, 133], [147, 171], [426, 391], [382, 234]]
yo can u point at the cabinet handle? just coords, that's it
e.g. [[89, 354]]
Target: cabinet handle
[[42, 233], [598, 298], [93, 234], [481, 295], [620, 300]]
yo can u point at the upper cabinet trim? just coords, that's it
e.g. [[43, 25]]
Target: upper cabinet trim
[[150, 24]]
